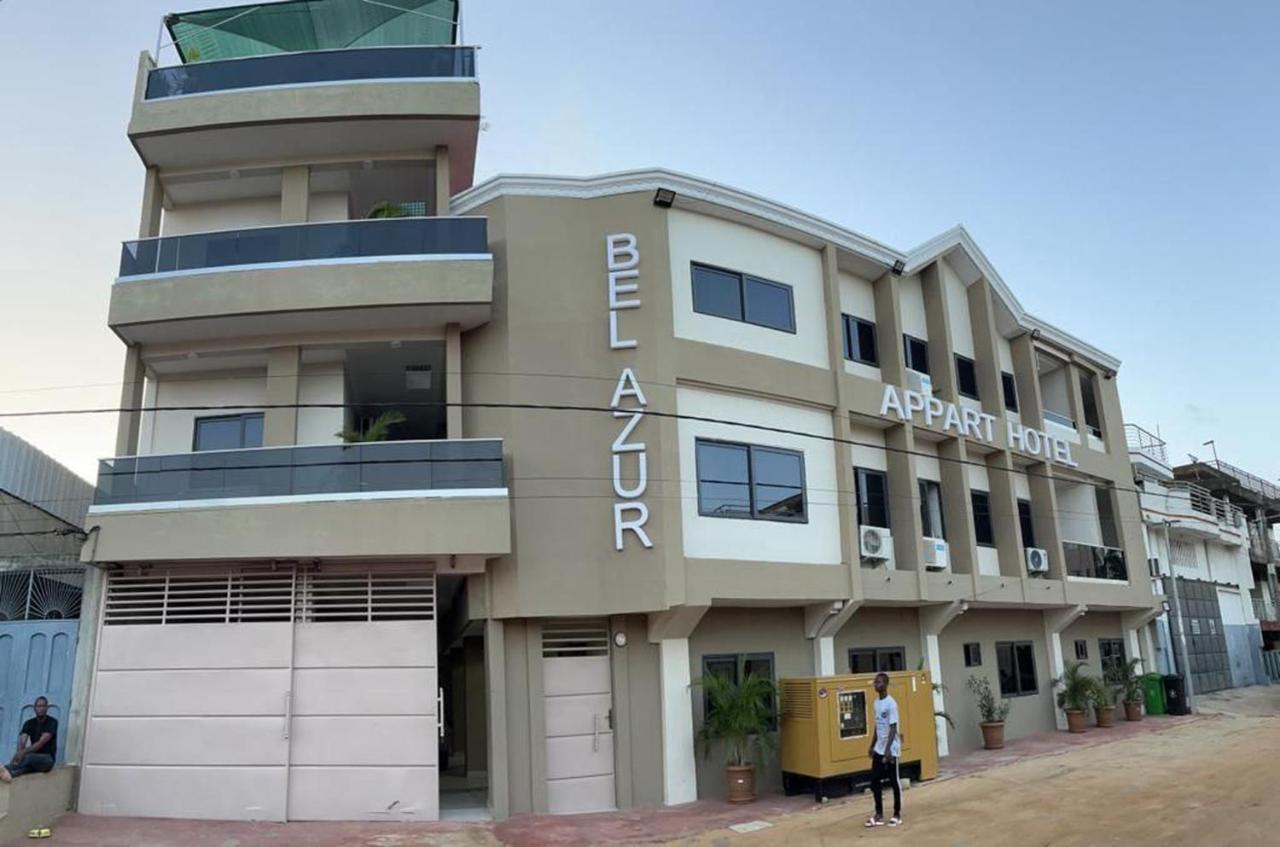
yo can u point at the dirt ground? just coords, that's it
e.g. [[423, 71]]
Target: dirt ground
[[1207, 782]]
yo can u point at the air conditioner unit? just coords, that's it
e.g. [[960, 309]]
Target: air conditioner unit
[[875, 543], [1037, 560], [919, 382], [936, 555]]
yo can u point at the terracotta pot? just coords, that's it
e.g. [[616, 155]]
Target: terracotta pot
[[1075, 721], [1133, 711], [1106, 716], [993, 735], [742, 783]]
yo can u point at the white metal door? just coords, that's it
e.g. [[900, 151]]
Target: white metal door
[[579, 716]]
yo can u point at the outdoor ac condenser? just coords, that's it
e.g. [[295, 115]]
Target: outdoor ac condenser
[[1037, 560], [874, 543]]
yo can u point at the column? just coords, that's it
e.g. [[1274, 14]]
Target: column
[[1004, 514], [904, 499], [152, 204], [87, 648], [1055, 621], [1026, 377], [957, 507], [453, 380], [679, 771], [442, 181], [937, 314], [893, 367], [1044, 517], [495, 661], [934, 619], [131, 384], [821, 623], [295, 194], [280, 426], [986, 354], [1076, 397]]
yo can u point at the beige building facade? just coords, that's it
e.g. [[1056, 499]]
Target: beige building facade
[[509, 467]]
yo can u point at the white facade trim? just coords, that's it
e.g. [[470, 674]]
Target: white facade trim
[[309, 263], [679, 766], [227, 502]]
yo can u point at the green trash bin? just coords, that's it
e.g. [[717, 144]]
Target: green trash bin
[[1153, 694]]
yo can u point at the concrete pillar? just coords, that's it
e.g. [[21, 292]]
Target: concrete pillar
[[1076, 398], [280, 426], [443, 192], [152, 204], [86, 651], [295, 194], [824, 656], [821, 623], [1055, 621], [904, 499], [937, 315], [893, 367], [1044, 517], [957, 506], [453, 380], [1004, 514], [1026, 377], [495, 663], [934, 619], [986, 354], [477, 740], [679, 771], [132, 383]]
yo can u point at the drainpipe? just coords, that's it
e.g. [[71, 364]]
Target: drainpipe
[[1185, 665]]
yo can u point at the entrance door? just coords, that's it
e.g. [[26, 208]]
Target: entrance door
[[579, 716]]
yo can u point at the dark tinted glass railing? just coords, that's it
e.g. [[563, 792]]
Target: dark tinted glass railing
[[1094, 562], [283, 471], [313, 67], [305, 242]]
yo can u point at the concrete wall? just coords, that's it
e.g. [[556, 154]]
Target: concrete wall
[[1090, 628], [873, 626], [857, 298], [1078, 513], [221, 215]]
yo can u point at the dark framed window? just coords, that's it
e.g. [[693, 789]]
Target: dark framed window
[[967, 377], [973, 655], [1111, 655], [1027, 525], [931, 509], [741, 297], [873, 497], [860, 341], [736, 667], [1016, 664], [228, 432], [1010, 387], [1082, 650], [917, 353], [750, 481], [877, 659], [1089, 399], [983, 532]]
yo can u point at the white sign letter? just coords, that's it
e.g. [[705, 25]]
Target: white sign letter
[[618, 246], [627, 387], [616, 288], [636, 525], [642, 481], [891, 401], [616, 343]]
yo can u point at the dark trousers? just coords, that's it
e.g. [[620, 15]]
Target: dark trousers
[[880, 771], [32, 763]]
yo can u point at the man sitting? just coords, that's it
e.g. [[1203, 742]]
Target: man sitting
[[37, 745]]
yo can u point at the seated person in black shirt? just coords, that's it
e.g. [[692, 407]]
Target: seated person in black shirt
[[37, 745]]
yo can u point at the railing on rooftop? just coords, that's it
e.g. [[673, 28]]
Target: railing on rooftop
[[1203, 501], [305, 242], [314, 67], [1262, 547], [1095, 561], [384, 466], [1144, 442], [1256, 484], [1263, 610]]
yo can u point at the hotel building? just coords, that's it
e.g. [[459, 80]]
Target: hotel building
[[644, 427]]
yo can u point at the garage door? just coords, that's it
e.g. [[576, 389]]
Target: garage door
[[243, 693]]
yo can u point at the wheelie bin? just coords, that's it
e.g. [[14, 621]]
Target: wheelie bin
[[1153, 694]]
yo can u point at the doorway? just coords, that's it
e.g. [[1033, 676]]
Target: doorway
[[464, 740]]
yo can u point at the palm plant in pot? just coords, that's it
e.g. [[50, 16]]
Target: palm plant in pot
[[1075, 694], [993, 712], [1127, 682], [740, 716], [1104, 701]]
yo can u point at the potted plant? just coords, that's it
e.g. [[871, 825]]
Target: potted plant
[[739, 715], [1075, 694], [993, 712], [378, 430], [1104, 702], [1126, 681]]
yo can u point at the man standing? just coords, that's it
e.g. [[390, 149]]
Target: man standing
[[37, 745], [886, 746]]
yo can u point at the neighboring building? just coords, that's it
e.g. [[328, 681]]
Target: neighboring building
[[42, 513], [654, 427]]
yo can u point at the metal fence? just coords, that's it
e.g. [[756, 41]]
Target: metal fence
[[1271, 661]]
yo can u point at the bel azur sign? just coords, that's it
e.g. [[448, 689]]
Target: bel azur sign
[[905, 404]]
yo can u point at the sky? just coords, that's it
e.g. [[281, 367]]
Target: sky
[[1116, 162]]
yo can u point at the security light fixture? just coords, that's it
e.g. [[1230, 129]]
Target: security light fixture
[[898, 267], [663, 198]]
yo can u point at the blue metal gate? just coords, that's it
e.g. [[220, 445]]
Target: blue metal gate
[[37, 657]]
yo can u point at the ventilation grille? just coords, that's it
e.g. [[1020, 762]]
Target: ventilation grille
[[797, 700], [41, 595], [259, 595], [575, 637]]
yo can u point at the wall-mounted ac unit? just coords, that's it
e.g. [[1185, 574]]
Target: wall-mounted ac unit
[[936, 555], [1037, 560], [874, 543], [920, 382]]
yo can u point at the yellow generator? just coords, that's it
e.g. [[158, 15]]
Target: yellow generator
[[828, 723]]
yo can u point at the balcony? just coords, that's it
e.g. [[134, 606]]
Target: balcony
[[1090, 561], [1147, 451], [1263, 549], [304, 277], [393, 498]]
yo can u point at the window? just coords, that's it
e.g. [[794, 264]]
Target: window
[[748, 481], [973, 655], [1082, 650], [1111, 655], [228, 432], [1016, 662], [1010, 391], [917, 353], [860, 341], [1090, 401], [1028, 526], [873, 498], [931, 509], [740, 297], [877, 659], [983, 532], [967, 377], [736, 667]]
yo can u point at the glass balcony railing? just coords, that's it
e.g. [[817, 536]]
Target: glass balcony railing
[[305, 242], [1094, 562], [1059, 419], [319, 66], [383, 466]]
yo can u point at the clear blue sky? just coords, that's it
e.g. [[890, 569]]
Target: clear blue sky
[[1117, 163]]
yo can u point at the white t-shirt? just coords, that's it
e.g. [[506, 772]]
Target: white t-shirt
[[887, 716]]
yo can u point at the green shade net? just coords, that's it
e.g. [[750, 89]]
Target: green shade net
[[300, 25]]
